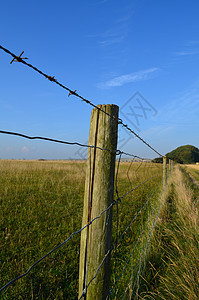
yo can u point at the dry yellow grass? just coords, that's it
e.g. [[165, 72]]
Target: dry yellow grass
[[196, 167], [174, 254]]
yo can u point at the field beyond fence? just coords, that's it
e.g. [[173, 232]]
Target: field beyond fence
[[42, 204]]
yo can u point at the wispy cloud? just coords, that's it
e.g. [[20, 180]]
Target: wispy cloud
[[192, 43], [189, 48], [111, 40], [127, 78], [184, 108], [109, 37], [185, 53], [100, 2], [118, 30]]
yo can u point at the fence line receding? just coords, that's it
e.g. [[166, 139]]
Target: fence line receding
[[122, 202]]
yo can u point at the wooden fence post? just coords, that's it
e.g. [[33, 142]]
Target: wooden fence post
[[99, 191], [170, 165], [164, 172]]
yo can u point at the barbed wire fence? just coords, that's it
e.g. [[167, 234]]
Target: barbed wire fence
[[151, 186]]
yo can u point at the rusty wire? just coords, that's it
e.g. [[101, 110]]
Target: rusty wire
[[74, 93], [117, 152]]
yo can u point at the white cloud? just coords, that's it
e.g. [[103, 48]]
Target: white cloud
[[127, 78]]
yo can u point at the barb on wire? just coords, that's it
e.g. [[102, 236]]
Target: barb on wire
[[72, 93], [18, 58], [51, 78]]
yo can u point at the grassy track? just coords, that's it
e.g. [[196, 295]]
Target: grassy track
[[41, 204], [194, 171], [173, 265]]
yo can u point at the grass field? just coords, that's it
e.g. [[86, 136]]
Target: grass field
[[41, 204]]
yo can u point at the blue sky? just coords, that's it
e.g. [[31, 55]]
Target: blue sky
[[131, 53]]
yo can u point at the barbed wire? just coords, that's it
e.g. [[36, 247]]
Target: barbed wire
[[74, 93], [116, 202]]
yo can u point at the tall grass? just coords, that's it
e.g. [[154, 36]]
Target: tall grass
[[41, 204], [173, 265]]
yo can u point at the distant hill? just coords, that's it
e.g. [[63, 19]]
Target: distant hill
[[184, 155]]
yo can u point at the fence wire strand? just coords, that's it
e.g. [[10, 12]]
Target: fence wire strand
[[76, 232], [127, 261], [116, 202], [115, 244], [74, 93], [147, 244], [117, 152]]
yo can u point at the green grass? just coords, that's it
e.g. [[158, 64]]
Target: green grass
[[128, 208], [41, 204]]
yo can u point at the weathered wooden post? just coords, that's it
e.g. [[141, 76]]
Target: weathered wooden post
[[172, 164], [164, 172], [169, 166], [99, 190]]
